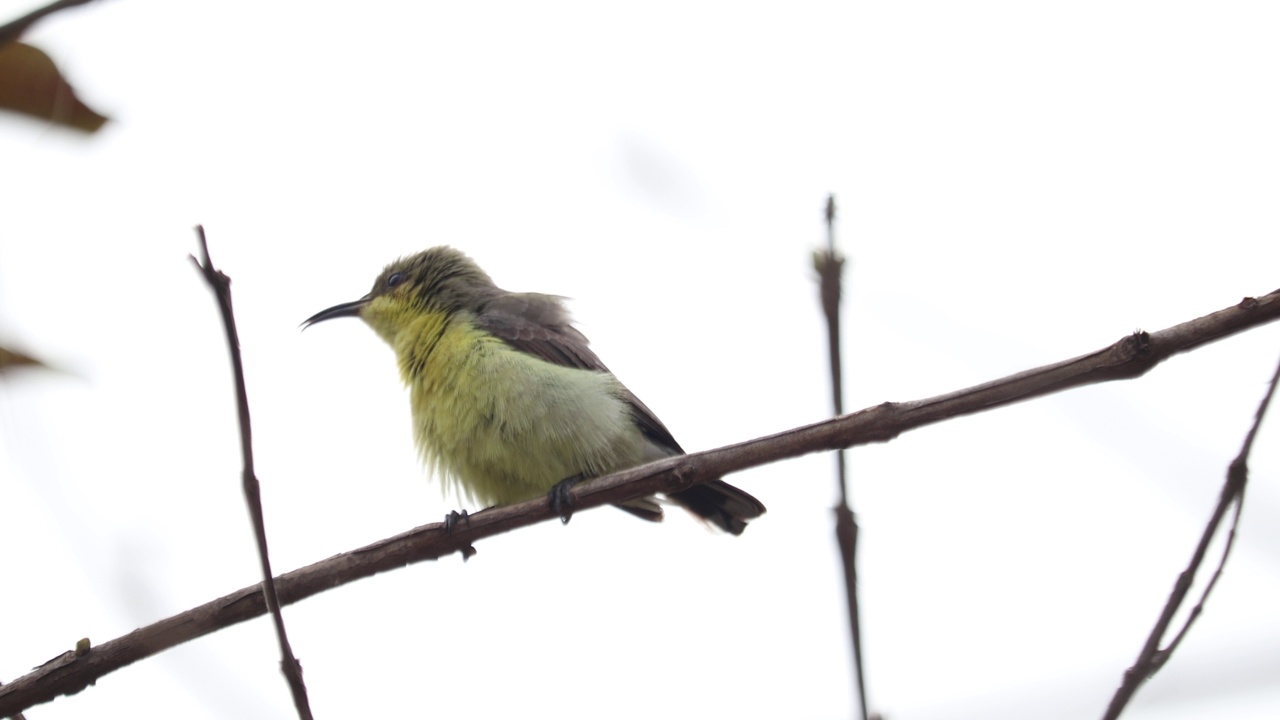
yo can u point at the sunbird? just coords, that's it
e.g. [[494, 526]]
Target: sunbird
[[508, 400]]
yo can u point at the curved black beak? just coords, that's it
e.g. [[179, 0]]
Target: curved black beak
[[349, 309]]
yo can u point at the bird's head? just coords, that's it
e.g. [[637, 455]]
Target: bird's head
[[440, 280]]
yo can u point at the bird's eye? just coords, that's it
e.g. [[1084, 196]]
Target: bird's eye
[[395, 279]]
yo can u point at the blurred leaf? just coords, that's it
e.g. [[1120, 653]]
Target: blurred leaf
[[31, 84], [10, 359]]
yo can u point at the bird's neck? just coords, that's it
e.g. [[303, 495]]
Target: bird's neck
[[433, 344]]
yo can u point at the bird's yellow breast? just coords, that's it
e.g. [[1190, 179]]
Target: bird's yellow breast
[[503, 425]]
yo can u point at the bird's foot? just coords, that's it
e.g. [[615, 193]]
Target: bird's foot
[[450, 522], [561, 497], [453, 518]]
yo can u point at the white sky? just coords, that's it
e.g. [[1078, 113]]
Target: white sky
[[1018, 183]]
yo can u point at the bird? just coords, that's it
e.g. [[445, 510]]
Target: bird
[[508, 400]]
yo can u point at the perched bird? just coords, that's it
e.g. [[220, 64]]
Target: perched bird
[[508, 400]]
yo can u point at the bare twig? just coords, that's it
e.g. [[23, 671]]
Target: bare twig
[[221, 286], [830, 266], [1130, 357], [12, 30], [1153, 657]]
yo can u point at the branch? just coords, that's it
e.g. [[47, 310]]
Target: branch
[[1153, 657], [830, 267], [15, 716], [221, 286], [1130, 357], [11, 31]]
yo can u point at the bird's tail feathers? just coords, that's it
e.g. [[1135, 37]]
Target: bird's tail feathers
[[720, 504], [643, 508]]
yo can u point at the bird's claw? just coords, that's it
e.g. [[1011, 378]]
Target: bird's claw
[[453, 518], [561, 498], [450, 522]]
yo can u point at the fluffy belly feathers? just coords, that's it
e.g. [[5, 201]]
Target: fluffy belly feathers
[[504, 426]]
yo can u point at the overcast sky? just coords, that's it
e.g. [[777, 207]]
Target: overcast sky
[[1018, 183]]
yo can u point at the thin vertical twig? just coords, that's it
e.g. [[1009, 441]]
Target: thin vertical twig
[[830, 267], [1153, 657], [221, 286]]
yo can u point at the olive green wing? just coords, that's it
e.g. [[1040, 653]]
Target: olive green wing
[[541, 326]]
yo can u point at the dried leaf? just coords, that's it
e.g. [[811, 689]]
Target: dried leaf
[[10, 359], [31, 84]]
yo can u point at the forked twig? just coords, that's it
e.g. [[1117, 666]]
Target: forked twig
[[1153, 657]]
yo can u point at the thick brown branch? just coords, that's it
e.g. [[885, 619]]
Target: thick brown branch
[[1128, 358]]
